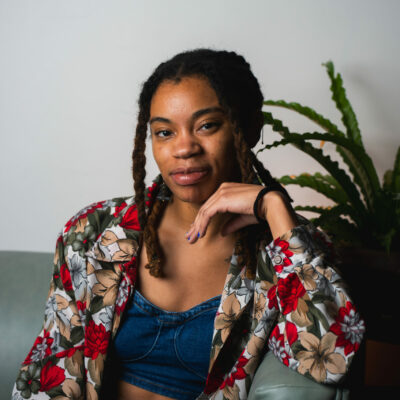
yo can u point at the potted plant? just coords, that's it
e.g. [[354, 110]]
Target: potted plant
[[364, 221]]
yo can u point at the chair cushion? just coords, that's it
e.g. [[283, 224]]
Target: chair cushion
[[273, 380], [24, 284]]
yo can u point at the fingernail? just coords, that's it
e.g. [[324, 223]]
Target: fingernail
[[198, 234], [188, 238]]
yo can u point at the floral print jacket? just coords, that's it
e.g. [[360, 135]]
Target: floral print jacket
[[296, 305]]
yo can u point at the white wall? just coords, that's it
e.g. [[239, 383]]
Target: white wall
[[70, 74]]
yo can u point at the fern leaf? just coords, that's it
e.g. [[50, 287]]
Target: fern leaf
[[331, 166], [395, 186], [364, 174], [341, 231], [361, 165], [334, 213], [308, 112], [315, 209], [315, 182], [343, 105]]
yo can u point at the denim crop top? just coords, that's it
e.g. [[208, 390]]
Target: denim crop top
[[166, 352]]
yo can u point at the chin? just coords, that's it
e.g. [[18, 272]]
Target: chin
[[192, 194]]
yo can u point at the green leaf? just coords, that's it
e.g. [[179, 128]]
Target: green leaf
[[387, 180], [334, 212], [314, 328], [341, 231], [396, 174], [321, 317], [56, 392], [315, 209], [96, 304], [308, 112], [343, 105], [265, 269], [361, 167], [77, 334], [65, 343], [331, 166], [320, 298], [318, 183], [297, 346], [364, 174]]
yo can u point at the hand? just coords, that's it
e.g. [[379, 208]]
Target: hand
[[230, 197]]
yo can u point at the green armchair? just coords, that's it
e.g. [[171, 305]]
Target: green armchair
[[24, 284]]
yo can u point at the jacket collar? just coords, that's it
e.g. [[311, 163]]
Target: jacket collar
[[113, 245]]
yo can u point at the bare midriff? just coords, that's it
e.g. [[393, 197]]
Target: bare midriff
[[127, 391]]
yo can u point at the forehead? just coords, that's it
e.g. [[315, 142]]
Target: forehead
[[187, 94]]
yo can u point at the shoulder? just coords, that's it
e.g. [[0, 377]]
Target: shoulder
[[98, 215], [101, 221]]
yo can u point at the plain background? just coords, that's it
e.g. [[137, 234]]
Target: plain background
[[71, 72]]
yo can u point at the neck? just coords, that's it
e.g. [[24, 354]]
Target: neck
[[184, 213]]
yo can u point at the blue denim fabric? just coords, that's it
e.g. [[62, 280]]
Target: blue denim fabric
[[166, 352]]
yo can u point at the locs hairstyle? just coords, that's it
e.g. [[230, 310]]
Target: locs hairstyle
[[238, 92]]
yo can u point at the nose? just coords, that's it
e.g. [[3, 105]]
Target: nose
[[186, 145]]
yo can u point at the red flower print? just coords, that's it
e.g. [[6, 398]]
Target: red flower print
[[51, 376], [151, 189], [130, 270], [289, 291], [70, 352], [124, 292], [66, 277], [81, 305], [273, 301], [291, 332], [118, 209], [82, 214], [96, 340], [40, 349], [279, 253], [349, 328], [238, 374], [276, 344], [131, 220]]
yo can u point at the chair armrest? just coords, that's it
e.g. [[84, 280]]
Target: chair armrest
[[273, 380]]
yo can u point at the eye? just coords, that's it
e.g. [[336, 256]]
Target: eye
[[162, 133], [210, 125]]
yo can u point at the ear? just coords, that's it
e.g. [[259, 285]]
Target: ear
[[254, 128]]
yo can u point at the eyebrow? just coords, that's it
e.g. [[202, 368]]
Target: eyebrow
[[195, 115]]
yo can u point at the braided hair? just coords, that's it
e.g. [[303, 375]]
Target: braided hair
[[239, 93]]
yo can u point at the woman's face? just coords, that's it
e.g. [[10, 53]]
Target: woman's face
[[192, 139]]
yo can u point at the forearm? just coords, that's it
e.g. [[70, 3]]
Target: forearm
[[278, 212]]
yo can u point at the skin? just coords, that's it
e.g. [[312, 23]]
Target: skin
[[198, 229]]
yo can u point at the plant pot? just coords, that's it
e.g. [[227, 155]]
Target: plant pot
[[374, 281]]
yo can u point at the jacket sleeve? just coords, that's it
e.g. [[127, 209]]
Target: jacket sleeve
[[318, 329], [54, 366]]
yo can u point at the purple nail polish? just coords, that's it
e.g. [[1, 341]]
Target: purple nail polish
[[198, 234]]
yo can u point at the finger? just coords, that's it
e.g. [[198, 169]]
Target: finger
[[193, 230], [216, 203], [202, 221]]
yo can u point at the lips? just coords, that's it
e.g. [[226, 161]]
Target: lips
[[189, 176]]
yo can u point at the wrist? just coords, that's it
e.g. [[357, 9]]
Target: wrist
[[270, 201]]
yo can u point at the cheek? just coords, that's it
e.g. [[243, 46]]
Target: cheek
[[159, 156]]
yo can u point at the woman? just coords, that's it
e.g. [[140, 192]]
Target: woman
[[135, 309]]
